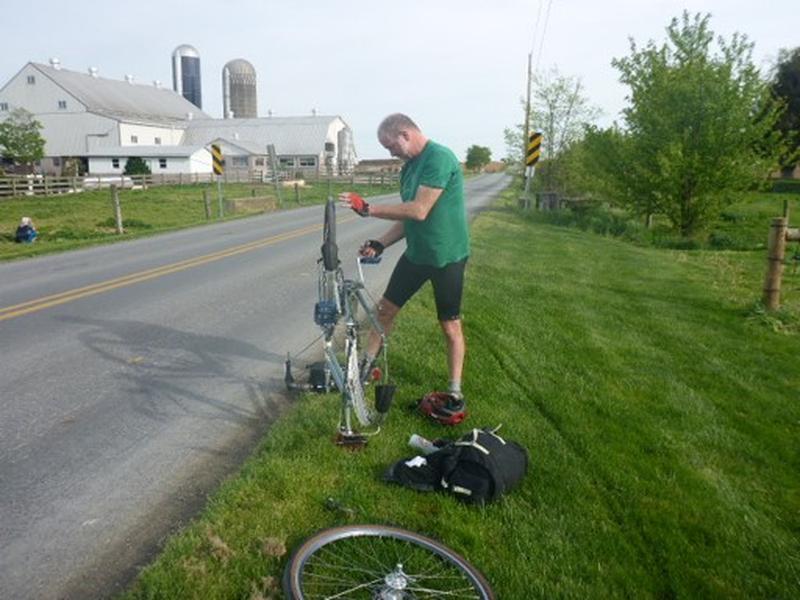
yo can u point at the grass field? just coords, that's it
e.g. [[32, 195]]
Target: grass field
[[658, 403], [75, 220]]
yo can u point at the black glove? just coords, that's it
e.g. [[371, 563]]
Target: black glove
[[375, 245]]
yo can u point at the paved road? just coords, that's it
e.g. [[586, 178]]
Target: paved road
[[135, 376]]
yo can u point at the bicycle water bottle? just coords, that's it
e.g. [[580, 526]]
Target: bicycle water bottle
[[422, 444]]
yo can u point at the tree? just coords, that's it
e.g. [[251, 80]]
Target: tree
[[786, 87], [20, 138], [699, 129], [136, 166], [560, 110], [478, 157]]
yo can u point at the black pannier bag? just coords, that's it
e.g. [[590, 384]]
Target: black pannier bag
[[479, 467]]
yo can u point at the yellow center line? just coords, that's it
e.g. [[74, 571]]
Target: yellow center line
[[24, 308]]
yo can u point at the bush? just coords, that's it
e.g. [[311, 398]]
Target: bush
[[786, 186], [126, 224], [136, 166], [597, 219], [722, 241]]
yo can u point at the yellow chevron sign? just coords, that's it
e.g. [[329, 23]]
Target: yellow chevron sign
[[216, 157], [534, 148]]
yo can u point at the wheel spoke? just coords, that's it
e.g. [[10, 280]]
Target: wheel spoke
[[372, 561]]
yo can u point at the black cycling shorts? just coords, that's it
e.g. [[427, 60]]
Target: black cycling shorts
[[448, 285]]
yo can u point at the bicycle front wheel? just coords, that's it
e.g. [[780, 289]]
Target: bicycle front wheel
[[377, 562]]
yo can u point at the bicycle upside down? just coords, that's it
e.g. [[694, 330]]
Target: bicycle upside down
[[339, 302]]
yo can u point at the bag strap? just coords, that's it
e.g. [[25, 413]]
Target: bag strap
[[498, 485]]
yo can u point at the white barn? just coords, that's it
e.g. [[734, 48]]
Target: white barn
[[167, 160], [103, 121]]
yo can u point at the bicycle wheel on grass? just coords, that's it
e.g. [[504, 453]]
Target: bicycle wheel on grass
[[377, 562]]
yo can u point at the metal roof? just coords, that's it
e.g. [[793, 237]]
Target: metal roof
[[290, 135], [72, 134], [144, 151], [247, 146], [121, 99]]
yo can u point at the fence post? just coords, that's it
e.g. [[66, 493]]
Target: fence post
[[117, 208], [207, 205], [297, 192], [13, 187], [219, 197], [776, 250], [46, 186]]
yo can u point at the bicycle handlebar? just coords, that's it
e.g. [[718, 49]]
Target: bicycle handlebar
[[366, 260], [369, 260]]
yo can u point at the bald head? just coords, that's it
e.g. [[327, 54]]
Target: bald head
[[401, 136], [392, 125]]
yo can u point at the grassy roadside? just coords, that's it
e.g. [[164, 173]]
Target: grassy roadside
[[659, 408], [77, 220]]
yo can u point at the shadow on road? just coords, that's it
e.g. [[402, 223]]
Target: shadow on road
[[168, 373]]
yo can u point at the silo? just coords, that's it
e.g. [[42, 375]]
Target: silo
[[186, 74], [346, 152], [239, 90]]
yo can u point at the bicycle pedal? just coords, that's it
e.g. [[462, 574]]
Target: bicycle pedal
[[352, 441]]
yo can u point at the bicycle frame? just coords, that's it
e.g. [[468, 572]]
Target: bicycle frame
[[349, 294], [338, 302]]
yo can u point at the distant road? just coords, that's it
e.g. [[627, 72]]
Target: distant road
[[136, 375]]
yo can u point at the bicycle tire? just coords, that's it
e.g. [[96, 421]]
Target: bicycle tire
[[329, 249], [363, 409], [326, 560]]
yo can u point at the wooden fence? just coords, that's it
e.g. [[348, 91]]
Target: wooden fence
[[45, 185], [779, 235]]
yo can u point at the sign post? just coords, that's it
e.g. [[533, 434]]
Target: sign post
[[273, 163], [218, 165]]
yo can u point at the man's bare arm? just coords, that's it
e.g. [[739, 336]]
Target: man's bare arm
[[416, 210]]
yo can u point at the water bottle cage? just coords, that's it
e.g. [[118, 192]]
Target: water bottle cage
[[325, 313]]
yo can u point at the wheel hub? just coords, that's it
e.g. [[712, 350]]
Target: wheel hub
[[396, 583]]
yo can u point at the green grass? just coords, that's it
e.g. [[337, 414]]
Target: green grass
[[75, 220], [658, 403]]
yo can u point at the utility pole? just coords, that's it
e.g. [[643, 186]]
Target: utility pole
[[525, 139]]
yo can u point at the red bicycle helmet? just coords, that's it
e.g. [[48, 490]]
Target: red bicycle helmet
[[443, 408]]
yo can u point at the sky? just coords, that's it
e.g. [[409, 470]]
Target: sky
[[458, 68]]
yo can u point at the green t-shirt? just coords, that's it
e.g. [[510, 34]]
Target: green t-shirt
[[443, 237]]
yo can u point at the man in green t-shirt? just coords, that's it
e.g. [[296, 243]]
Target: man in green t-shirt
[[432, 218]]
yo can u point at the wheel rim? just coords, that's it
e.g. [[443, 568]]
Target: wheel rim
[[386, 564]]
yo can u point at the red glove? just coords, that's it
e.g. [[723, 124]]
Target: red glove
[[358, 204]]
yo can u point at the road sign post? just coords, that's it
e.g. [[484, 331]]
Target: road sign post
[[218, 165], [273, 163], [532, 154]]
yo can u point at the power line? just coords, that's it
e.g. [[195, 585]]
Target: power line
[[536, 26], [544, 31]]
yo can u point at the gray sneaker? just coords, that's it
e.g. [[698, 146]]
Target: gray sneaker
[[458, 396]]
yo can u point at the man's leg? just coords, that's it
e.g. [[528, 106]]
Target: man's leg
[[448, 286], [456, 349], [406, 279], [386, 312]]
